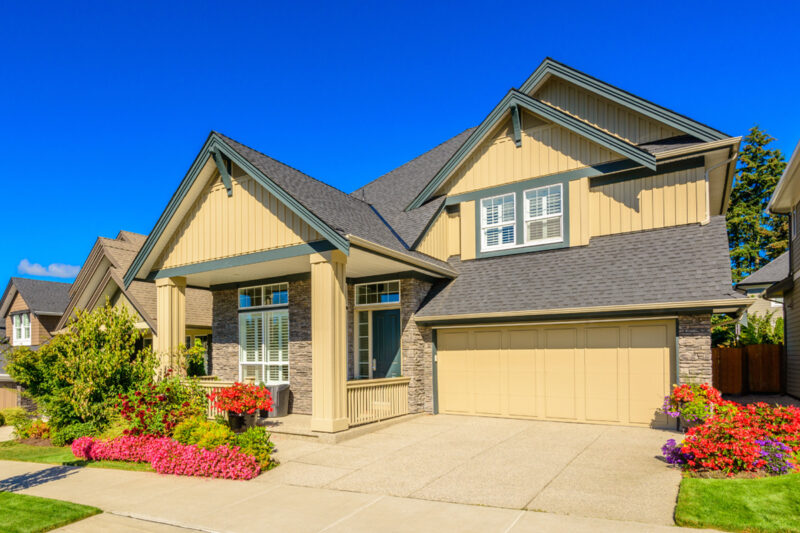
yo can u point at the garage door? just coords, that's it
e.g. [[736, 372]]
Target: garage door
[[614, 373]]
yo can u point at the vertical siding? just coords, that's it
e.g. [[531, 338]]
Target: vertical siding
[[603, 113], [218, 226], [579, 219], [435, 242], [546, 149], [467, 217], [647, 203], [792, 310], [453, 234]]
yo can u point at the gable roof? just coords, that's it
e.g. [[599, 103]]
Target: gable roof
[[671, 266], [42, 297], [551, 67], [773, 272]]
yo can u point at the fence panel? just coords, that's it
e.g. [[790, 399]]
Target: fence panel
[[764, 368], [728, 370]]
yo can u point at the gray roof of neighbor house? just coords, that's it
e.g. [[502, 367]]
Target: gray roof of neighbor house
[[678, 264], [393, 191], [42, 297], [772, 272], [344, 213]]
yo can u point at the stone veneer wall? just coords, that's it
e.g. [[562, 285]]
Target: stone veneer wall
[[417, 346], [224, 357], [694, 348]]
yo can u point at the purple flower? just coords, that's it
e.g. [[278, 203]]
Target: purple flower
[[775, 457], [673, 453]]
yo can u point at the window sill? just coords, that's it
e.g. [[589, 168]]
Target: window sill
[[522, 249]]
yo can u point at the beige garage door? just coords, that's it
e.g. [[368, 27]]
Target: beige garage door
[[614, 372]]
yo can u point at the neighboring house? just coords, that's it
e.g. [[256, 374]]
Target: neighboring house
[[30, 310], [560, 261], [100, 280], [786, 201], [756, 284]]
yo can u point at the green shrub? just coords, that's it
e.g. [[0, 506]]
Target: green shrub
[[203, 433], [193, 359], [20, 419], [157, 408], [2, 420], [255, 441], [65, 435], [761, 330], [75, 377]]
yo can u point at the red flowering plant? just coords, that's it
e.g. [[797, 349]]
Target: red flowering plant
[[156, 408], [693, 403], [242, 398]]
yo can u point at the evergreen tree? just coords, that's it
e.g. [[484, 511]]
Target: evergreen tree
[[755, 235]]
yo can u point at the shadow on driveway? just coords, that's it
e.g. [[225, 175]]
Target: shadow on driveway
[[26, 481]]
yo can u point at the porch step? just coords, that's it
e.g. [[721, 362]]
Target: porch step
[[299, 427]]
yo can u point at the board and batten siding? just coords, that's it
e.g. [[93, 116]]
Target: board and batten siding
[[546, 149], [603, 113], [647, 203], [218, 226], [443, 238]]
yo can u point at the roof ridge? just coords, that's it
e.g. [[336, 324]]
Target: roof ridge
[[414, 159], [40, 280], [328, 185]]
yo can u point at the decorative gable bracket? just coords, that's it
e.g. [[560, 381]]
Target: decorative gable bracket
[[224, 170], [517, 127]]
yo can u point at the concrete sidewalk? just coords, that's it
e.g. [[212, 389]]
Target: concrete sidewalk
[[157, 502]]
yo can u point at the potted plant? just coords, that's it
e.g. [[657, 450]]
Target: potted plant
[[242, 400]]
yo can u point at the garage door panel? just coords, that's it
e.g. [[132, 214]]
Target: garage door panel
[[559, 373], [647, 383], [602, 374], [453, 375], [521, 372], [487, 371]]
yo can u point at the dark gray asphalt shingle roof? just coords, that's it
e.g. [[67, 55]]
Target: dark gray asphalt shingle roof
[[344, 213], [43, 296], [678, 264], [772, 272], [393, 191]]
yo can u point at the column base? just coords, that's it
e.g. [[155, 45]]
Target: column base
[[326, 425]]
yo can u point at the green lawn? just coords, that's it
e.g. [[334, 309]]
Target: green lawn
[[14, 451], [30, 514], [763, 505]]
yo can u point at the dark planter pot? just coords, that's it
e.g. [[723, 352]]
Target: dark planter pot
[[263, 413], [235, 421]]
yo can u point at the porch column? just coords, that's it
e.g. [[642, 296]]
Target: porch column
[[328, 342], [171, 318]]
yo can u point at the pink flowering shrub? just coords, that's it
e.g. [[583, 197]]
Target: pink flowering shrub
[[167, 456]]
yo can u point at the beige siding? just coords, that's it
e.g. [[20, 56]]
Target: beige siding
[[603, 113], [218, 226], [546, 149], [467, 217], [453, 234], [579, 220], [647, 203], [435, 242]]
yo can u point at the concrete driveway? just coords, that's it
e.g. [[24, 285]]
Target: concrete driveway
[[576, 469]]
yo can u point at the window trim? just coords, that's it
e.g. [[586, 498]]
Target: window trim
[[527, 218], [484, 227], [265, 363], [263, 287], [385, 305], [21, 340]]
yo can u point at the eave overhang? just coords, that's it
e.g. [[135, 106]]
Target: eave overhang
[[216, 145], [787, 191]]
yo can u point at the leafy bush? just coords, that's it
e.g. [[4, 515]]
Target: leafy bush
[[20, 419], [193, 359], [761, 330], [76, 377], [65, 435], [39, 429], [203, 433], [255, 441], [776, 457], [2, 420], [242, 398], [693, 403], [168, 456], [155, 409]]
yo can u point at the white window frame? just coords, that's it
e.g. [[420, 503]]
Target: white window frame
[[266, 311], [499, 223], [369, 308], [21, 332], [547, 215]]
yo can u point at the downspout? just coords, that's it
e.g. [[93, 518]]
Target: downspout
[[708, 186]]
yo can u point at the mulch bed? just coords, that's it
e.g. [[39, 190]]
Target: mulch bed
[[35, 442], [716, 474]]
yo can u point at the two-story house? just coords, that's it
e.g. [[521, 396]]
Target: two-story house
[[30, 310], [786, 201], [559, 261]]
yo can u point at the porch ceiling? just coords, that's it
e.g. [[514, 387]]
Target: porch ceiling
[[360, 263]]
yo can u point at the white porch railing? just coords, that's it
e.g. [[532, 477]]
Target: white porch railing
[[213, 385], [372, 400]]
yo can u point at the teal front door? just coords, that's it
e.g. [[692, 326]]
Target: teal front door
[[386, 343]]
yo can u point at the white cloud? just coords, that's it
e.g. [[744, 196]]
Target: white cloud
[[53, 270]]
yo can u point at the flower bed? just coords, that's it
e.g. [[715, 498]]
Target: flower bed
[[242, 398], [167, 456], [732, 438]]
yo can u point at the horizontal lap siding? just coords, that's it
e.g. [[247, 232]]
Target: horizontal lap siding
[[218, 226]]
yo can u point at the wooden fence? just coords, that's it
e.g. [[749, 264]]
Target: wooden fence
[[372, 400], [213, 385], [755, 369]]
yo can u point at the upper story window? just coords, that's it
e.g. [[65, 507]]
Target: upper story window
[[498, 222], [378, 293], [21, 335], [544, 220], [264, 296]]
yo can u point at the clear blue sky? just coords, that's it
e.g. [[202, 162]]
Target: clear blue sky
[[105, 104]]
